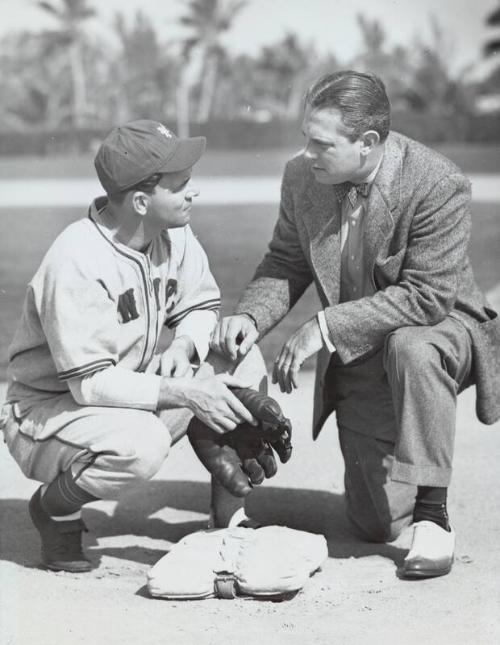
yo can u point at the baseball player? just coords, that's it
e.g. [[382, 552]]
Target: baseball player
[[89, 410]]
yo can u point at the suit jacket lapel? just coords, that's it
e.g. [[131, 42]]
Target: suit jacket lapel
[[382, 203], [323, 220]]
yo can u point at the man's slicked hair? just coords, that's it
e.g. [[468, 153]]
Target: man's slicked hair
[[360, 98]]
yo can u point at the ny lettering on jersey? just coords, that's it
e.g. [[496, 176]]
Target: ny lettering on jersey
[[127, 307], [170, 293]]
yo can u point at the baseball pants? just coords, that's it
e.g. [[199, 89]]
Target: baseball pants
[[396, 417], [107, 448]]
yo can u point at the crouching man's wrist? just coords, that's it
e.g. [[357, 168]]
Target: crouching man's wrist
[[172, 393]]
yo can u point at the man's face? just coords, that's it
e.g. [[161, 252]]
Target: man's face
[[172, 199], [333, 157]]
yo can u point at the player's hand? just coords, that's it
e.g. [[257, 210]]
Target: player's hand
[[211, 401], [305, 342], [175, 361], [234, 335]]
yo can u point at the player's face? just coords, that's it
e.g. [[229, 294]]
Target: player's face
[[172, 199], [333, 157]]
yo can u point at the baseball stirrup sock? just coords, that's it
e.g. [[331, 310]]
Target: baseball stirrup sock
[[430, 505], [63, 496]]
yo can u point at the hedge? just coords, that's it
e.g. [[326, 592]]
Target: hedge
[[250, 135]]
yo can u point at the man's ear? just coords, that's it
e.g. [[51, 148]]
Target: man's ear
[[369, 141], [140, 202]]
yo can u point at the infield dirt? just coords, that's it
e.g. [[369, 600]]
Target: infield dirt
[[356, 598]]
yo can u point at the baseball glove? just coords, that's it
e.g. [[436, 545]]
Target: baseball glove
[[244, 457]]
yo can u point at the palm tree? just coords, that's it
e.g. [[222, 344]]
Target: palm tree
[[433, 87], [207, 20], [30, 87], [488, 85], [145, 72], [286, 66], [71, 14], [394, 65], [492, 47]]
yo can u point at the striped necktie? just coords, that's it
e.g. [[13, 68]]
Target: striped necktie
[[352, 191]]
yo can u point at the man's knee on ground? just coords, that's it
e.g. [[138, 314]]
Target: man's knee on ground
[[375, 531], [408, 346]]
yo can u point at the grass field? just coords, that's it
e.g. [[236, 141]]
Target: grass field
[[235, 239]]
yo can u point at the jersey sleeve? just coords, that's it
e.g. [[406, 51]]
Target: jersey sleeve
[[196, 310], [117, 387], [78, 318]]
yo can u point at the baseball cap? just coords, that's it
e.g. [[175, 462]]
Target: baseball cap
[[136, 150]]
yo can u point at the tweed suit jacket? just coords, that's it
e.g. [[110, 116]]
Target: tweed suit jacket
[[417, 231]]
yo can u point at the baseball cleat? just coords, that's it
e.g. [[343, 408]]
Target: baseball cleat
[[61, 541]]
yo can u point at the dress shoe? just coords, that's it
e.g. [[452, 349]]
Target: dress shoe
[[431, 552]]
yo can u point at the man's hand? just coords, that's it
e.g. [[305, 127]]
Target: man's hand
[[210, 400], [234, 335], [175, 361], [305, 342], [244, 457]]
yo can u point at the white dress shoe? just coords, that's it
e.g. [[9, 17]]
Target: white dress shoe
[[431, 552]]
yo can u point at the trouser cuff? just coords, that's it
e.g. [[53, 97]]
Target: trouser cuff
[[420, 475]]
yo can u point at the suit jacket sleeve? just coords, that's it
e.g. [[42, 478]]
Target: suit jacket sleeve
[[428, 281], [284, 274]]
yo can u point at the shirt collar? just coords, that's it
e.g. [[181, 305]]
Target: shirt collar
[[371, 177]]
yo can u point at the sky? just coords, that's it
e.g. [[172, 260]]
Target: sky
[[330, 25]]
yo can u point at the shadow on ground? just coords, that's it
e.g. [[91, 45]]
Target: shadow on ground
[[139, 514]]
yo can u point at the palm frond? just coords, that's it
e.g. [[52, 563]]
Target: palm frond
[[494, 18], [492, 48], [49, 8]]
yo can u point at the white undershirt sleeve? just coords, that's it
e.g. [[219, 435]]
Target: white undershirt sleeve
[[324, 332], [117, 387]]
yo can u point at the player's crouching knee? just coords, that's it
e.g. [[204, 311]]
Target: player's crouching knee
[[252, 367], [150, 452]]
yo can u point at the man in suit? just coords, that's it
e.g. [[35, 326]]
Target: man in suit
[[381, 224]]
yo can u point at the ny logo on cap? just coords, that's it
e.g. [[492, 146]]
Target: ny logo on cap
[[165, 131]]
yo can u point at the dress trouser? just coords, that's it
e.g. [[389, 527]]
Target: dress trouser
[[396, 417]]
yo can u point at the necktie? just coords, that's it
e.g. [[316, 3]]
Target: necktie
[[352, 191]]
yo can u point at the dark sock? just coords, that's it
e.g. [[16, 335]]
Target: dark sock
[[223, 504], [63, 496], [430, 505]]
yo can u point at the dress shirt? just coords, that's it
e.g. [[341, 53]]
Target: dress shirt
[[355, 280]]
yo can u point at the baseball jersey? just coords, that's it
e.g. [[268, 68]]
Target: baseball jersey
[[96, 303]]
